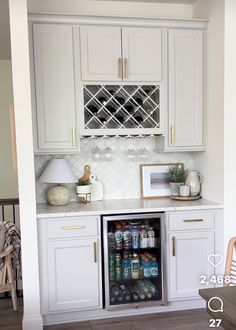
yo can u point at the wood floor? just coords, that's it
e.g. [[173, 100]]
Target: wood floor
[[184, 320]]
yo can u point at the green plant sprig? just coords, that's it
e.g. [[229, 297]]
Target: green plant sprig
[[177, 173]]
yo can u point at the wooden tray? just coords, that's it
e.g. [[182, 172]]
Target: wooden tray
[[185, 198]]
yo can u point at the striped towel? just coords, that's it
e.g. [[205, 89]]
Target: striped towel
[[11, 237]]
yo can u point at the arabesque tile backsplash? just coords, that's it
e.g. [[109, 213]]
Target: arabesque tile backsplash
[[120, 176]]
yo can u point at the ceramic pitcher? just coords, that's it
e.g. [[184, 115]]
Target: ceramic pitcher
[[194, 180]]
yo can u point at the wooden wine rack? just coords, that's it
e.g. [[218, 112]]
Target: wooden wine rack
[[126, 109]]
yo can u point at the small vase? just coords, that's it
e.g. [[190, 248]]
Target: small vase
[[174, 188]]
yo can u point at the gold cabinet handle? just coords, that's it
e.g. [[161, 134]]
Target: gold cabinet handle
[[72, 227], [126, 67], [193, 220], [173, 246], [95, 251], [73, 136], [120, 67], [172, 132]]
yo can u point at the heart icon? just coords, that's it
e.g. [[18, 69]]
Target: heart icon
[[215, 259]]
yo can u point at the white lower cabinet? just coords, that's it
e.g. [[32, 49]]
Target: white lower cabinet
[[189, 245], [70, 264], [73, 274]]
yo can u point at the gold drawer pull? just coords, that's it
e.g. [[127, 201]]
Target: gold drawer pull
[[119, 68], [95, 251], [193, 220], [126, 67], [173, 247], [73, 136], [72, 227], [172, 135]]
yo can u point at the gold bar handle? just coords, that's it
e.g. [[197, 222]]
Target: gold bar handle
[[120, 67], [126, 67], [73, 136], [193, 220], [72, 227], [95, 251], [173, 246], [172, 132]]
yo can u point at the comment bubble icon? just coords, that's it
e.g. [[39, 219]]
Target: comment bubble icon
[[215, 305]]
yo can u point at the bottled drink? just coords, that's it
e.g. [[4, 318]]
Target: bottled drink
[[125, 293], [118, 237], [154, 267], [111, 241], [147, 226], [134, 293], [119, 99], [102, 120], [129, 108], [111, 267], [118, 266], [138, 100], [111, 91], [143, 287], [115, 290], [135, 267], [139, 119], [111, 109], [120, 118], [126, 268], [140, 293], [151, 237], [147, 268], [141, 267], [135, 237], [143, 238], [93, 109], [127, 238], [102, 100]]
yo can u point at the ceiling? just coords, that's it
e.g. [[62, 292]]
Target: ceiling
[[5, 48]]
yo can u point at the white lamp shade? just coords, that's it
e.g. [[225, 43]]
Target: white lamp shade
[[58, 171]]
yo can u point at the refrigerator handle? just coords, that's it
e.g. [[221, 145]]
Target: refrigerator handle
[[95, 251]]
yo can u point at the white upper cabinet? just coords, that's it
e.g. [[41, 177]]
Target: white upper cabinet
[[186, 77], [54, 88], [142, 54], [100, 53], [121, 54]]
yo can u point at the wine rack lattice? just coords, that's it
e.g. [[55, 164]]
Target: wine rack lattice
[[121, 107]]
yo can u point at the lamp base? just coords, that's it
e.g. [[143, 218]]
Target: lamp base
[[58, 195]]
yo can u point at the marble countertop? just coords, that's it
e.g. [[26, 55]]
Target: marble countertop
[[120, 206]]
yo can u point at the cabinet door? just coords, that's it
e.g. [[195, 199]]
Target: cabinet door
[[73, 274], [54, 84], [142, 54], [185, 88], [188, 260], [101, 53]]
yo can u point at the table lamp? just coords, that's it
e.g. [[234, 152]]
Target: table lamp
[[58, 171]]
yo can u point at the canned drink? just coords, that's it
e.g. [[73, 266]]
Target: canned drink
[[117, 258]]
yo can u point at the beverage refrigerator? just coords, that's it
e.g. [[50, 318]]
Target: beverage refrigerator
[[133, 265]]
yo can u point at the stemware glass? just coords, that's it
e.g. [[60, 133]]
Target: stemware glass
[[96, 152], [107, 153]]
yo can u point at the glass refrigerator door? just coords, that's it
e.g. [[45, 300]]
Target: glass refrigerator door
[[134, 260]]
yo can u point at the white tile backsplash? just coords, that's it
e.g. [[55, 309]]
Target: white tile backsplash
[[120, 177]]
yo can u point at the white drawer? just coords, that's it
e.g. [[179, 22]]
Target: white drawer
[[191, 220], [72, 227]]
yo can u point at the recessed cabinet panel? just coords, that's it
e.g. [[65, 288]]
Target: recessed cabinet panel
[[142, 54], [189, 253], [54, 84], [73, 275], [185, 88], [100, 53]]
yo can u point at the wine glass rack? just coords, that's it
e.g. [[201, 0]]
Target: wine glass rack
[[121, 109]]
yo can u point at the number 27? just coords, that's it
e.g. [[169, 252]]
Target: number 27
[[215, 323]]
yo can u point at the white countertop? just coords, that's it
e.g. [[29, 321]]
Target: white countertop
[[118, 206]]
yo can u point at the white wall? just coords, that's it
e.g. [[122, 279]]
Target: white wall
[[210, 163], [8, 177], [112, 8], [230, 120]]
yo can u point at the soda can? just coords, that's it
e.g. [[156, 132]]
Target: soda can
[[111, 267]]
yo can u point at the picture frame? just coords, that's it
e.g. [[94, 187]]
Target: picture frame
[[154, 180]]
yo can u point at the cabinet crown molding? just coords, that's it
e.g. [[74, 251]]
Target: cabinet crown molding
[[110, 20]]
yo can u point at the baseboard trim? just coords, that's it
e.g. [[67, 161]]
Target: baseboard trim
[[30, 323]]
